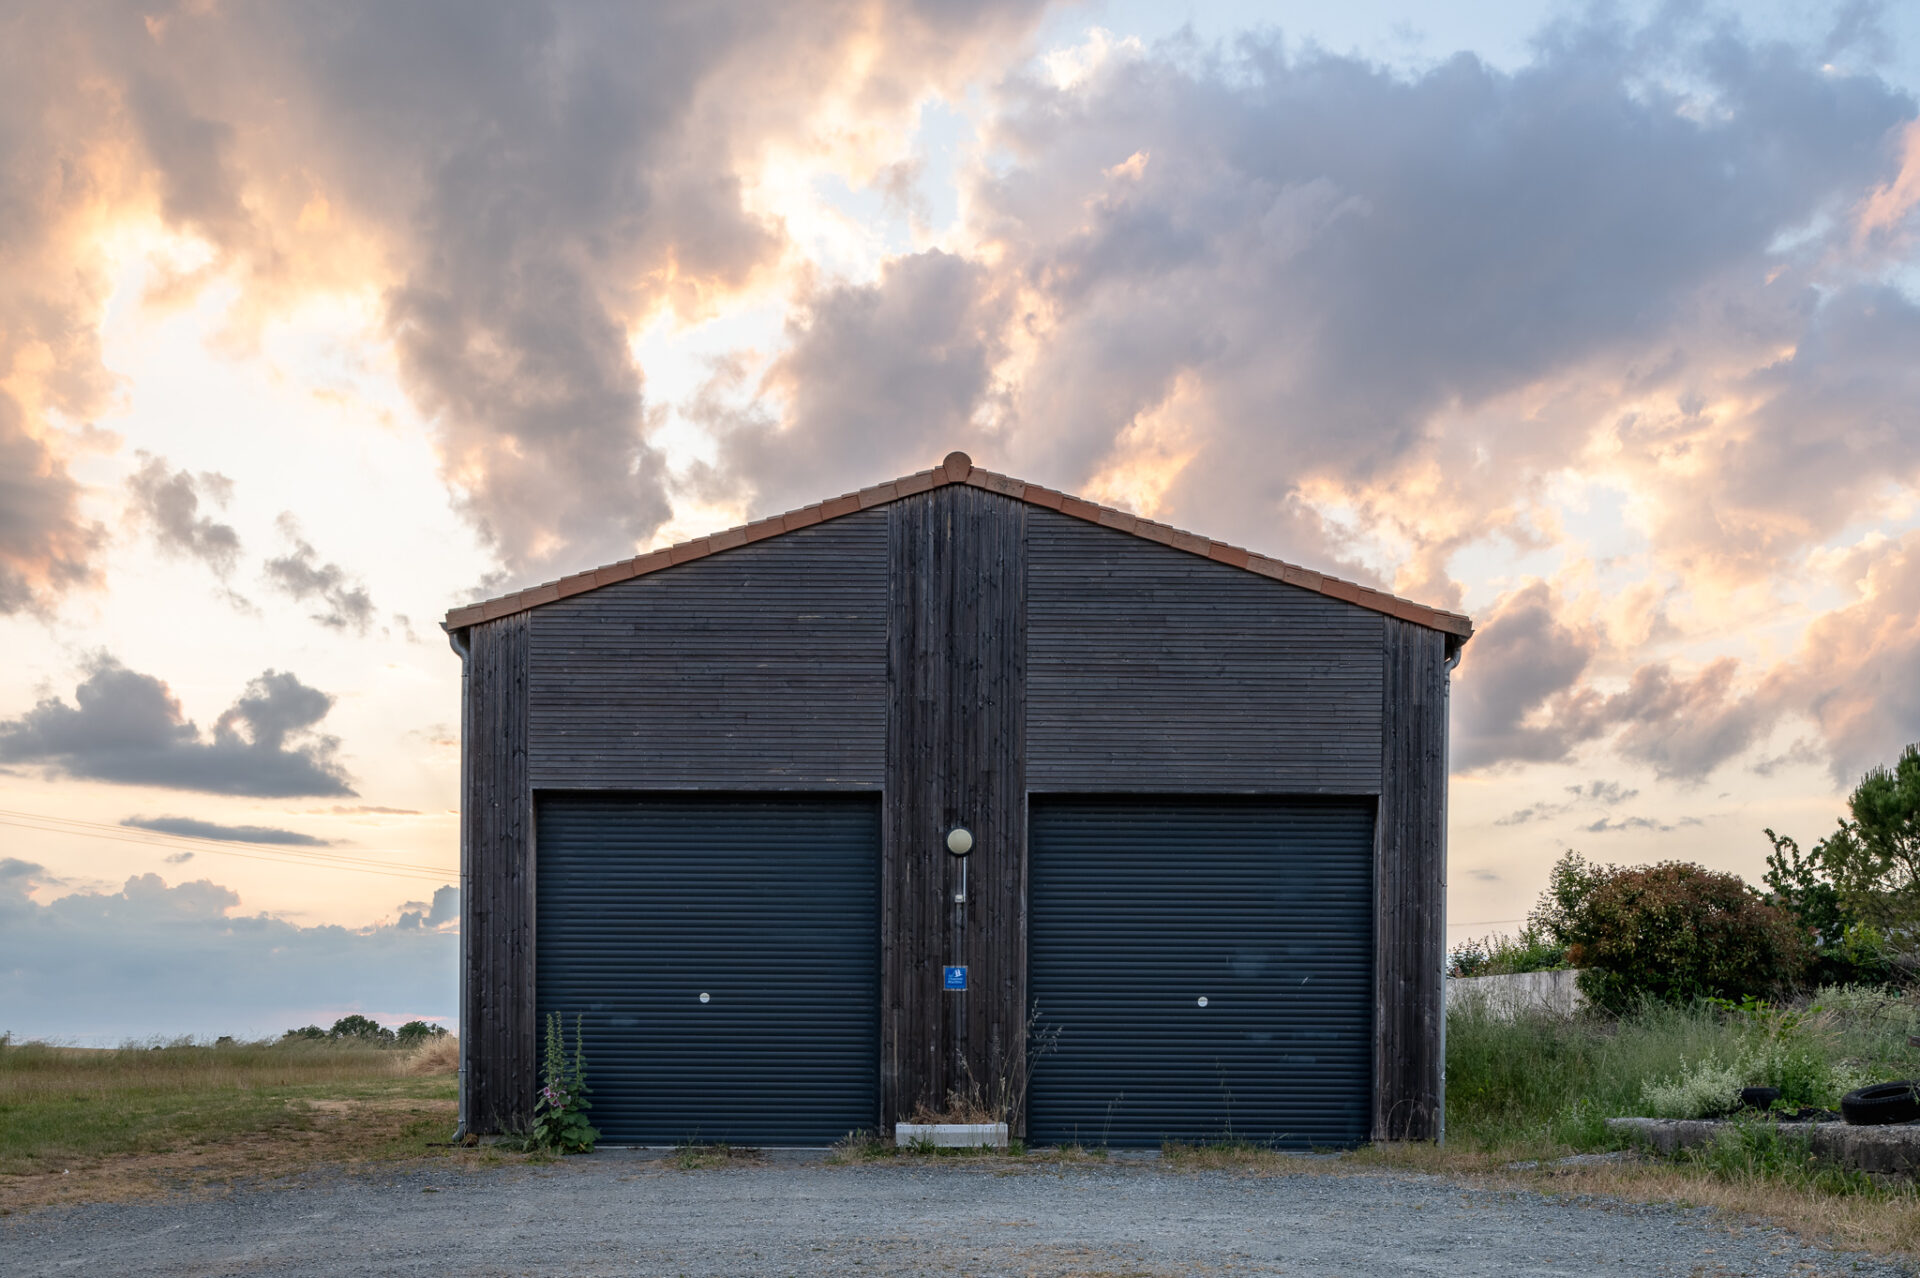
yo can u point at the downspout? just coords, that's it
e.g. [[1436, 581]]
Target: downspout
[[1446, 755], [463, 646]]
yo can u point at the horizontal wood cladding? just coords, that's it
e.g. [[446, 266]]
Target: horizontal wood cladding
[[761, 667], [955, 752], [1410, 860], [496, 925], [1152, 670]]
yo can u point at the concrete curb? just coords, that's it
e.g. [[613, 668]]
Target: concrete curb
[[1890, 1150]]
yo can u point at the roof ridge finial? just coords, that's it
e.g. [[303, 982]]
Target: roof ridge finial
[[957, 465]]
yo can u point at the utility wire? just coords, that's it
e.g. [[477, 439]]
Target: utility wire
[[276, 853]]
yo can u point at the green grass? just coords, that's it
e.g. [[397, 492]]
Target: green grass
[[61, 1106], [1550, 1083]]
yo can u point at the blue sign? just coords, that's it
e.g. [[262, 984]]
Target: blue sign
[[956, 978]]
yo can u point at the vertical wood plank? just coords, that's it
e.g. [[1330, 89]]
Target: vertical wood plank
[[956, 752], [1409, 886], [496, 933]]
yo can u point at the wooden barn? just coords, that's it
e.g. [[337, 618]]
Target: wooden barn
[[715, 799]]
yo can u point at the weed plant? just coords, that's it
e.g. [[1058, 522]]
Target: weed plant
[[1541, 1084]]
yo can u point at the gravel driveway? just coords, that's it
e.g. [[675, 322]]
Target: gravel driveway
[[628, 1212]]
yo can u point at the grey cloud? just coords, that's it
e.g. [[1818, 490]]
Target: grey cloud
[[46, 546], [1608, 825], [178, 858], [1325, 270], [1526, 697], [193, 828], [890, 374], [543, 176], [1515, 700], [49, 293], [443, 910], [299, 575], [1606, 792], [1687, 727], [1854, 669], [127, 727], [170, 504], [157, 960]]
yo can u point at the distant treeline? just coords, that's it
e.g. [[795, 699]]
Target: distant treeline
[[362, 1029]]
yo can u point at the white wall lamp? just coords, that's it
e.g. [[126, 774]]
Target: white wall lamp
[[959, 843]]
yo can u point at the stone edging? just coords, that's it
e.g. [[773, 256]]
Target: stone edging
[[1891, 1150]]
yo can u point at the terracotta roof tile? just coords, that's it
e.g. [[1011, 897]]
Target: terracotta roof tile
[[1080, 508], [764, 528], [958, 468], [840, 506], [1005, 485], [918, 482], [686, 550], [1192, 543]]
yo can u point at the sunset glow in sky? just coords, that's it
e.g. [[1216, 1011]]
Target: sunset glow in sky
[[1601, 325]]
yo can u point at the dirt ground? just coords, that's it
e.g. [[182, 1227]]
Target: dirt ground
[[655, 1212]]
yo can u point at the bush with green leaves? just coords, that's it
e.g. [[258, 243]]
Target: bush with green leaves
[[1857, 891], [361, 1029], [1675, 932], [416, 1032], [1503, 955], [560, 1110]]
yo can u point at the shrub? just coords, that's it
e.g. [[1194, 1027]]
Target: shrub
[[361, 1029], [1704, 1088], [1503, 955], [310, 1032], [1857, 891], [1678, 932], [414, 1032]]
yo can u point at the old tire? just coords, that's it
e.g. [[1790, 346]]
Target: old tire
[[1759, 1097], [1881, 1104]]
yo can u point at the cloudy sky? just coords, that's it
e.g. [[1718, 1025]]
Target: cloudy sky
[[1601, 324]]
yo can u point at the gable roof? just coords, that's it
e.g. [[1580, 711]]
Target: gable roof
[[958, 468]]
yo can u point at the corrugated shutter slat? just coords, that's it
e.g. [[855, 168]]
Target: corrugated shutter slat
[[770, 906], [1139, 908]]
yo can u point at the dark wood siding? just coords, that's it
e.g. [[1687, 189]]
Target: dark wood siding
[[1153, 670], [1410, 886], [960, 648], [762, 667], [496, 905], [956, 715]]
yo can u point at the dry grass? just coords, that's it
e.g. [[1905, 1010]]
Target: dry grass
[[1885, 1220], [435, 1056], [84, 1125]]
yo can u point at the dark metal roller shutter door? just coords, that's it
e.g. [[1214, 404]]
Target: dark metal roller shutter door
[[768, 906], [1138, 909]]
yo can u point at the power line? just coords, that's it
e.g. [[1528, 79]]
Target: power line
[[310, 857]]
